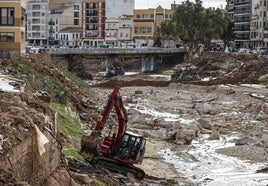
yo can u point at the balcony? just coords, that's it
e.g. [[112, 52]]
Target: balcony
[[51, 23], [242, 3], [51, 30], [241, 29], [242, 12]]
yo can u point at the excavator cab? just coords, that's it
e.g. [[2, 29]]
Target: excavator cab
[[132, 148]]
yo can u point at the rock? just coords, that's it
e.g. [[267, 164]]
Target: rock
[[263, 79], [203, 108], [81, 178], [185, 134], [264, 140], [244, 141], [138, 92], [215, 135], [204, 124]]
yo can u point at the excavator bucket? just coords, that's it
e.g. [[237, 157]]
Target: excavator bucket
[[90, 146]]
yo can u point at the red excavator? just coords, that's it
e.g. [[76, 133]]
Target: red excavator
[[118, 150]]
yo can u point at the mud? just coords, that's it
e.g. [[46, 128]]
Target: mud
[[211, 113]]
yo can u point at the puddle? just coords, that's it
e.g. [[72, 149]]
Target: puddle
[[204, 166]]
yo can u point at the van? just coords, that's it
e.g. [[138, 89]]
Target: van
[[35, 50]]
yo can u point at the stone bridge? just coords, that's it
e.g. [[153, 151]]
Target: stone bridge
[[97, 59]]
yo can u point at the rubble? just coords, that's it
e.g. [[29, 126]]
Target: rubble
[[207, 96]]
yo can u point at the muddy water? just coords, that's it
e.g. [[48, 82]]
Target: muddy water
[[204, 166]]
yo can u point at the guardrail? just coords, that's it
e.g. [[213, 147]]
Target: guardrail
[[101, 51]]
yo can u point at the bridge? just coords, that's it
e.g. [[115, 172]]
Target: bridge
[[146, 57]]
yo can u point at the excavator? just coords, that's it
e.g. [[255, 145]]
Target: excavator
[[116, 149]]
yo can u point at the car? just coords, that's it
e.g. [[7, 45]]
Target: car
[[261, 50]]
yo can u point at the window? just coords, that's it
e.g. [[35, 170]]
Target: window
[[7, 16], [136, 30], [6, 36], [76, 21], [76, 7], [76, 14]]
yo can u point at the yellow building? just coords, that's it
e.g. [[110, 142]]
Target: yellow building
[[146, 22], [12, 27]]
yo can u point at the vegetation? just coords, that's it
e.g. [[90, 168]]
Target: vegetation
[[69, 124], [70, 151], [97, 182], [193, 24]]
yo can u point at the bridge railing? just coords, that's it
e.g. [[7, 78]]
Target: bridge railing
[[115, 50]]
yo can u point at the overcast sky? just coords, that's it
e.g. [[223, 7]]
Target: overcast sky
[[144, 4]]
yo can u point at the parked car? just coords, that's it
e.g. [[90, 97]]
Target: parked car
[[261, 50]]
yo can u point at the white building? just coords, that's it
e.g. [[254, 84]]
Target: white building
[[111, 31], [117, 8], [66, 16], [70, 37], [37, 21], [125, 30]]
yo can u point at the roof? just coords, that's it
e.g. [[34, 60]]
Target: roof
[[70, 29]]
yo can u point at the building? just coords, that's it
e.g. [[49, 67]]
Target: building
[[111, 31], [70, 37], [65, 25], [12, 27], [125, 31], [241, 11], [146, 21], [256, 32], [118, 32], [37, 21], [93, 22], [117, 8]]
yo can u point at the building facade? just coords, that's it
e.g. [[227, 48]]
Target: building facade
[[12, 27], [117, 8], [65, 21], [93, 22], [37, 21], [146, 22]]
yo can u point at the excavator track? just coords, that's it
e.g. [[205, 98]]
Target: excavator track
[[118, 167]]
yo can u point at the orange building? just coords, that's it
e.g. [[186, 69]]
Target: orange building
[[93, 22], [12, 27], [146, 22]]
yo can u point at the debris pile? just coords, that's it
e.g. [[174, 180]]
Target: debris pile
[[222, 69]]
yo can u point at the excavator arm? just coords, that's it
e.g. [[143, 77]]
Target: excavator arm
[[114, 101]]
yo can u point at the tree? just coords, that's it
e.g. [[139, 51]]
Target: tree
[[193, 24]]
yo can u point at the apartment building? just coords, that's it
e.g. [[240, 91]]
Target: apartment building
[[256, 30], [37, 21], [145, 22], [242, 18], [12, 27], [93, 22], [111, 31], [65, 25], [125, 31]]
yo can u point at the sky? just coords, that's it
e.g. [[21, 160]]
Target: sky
[[144, 4]]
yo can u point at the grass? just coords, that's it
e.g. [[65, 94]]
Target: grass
[[69, 124], [70, 151], [97, 182]]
